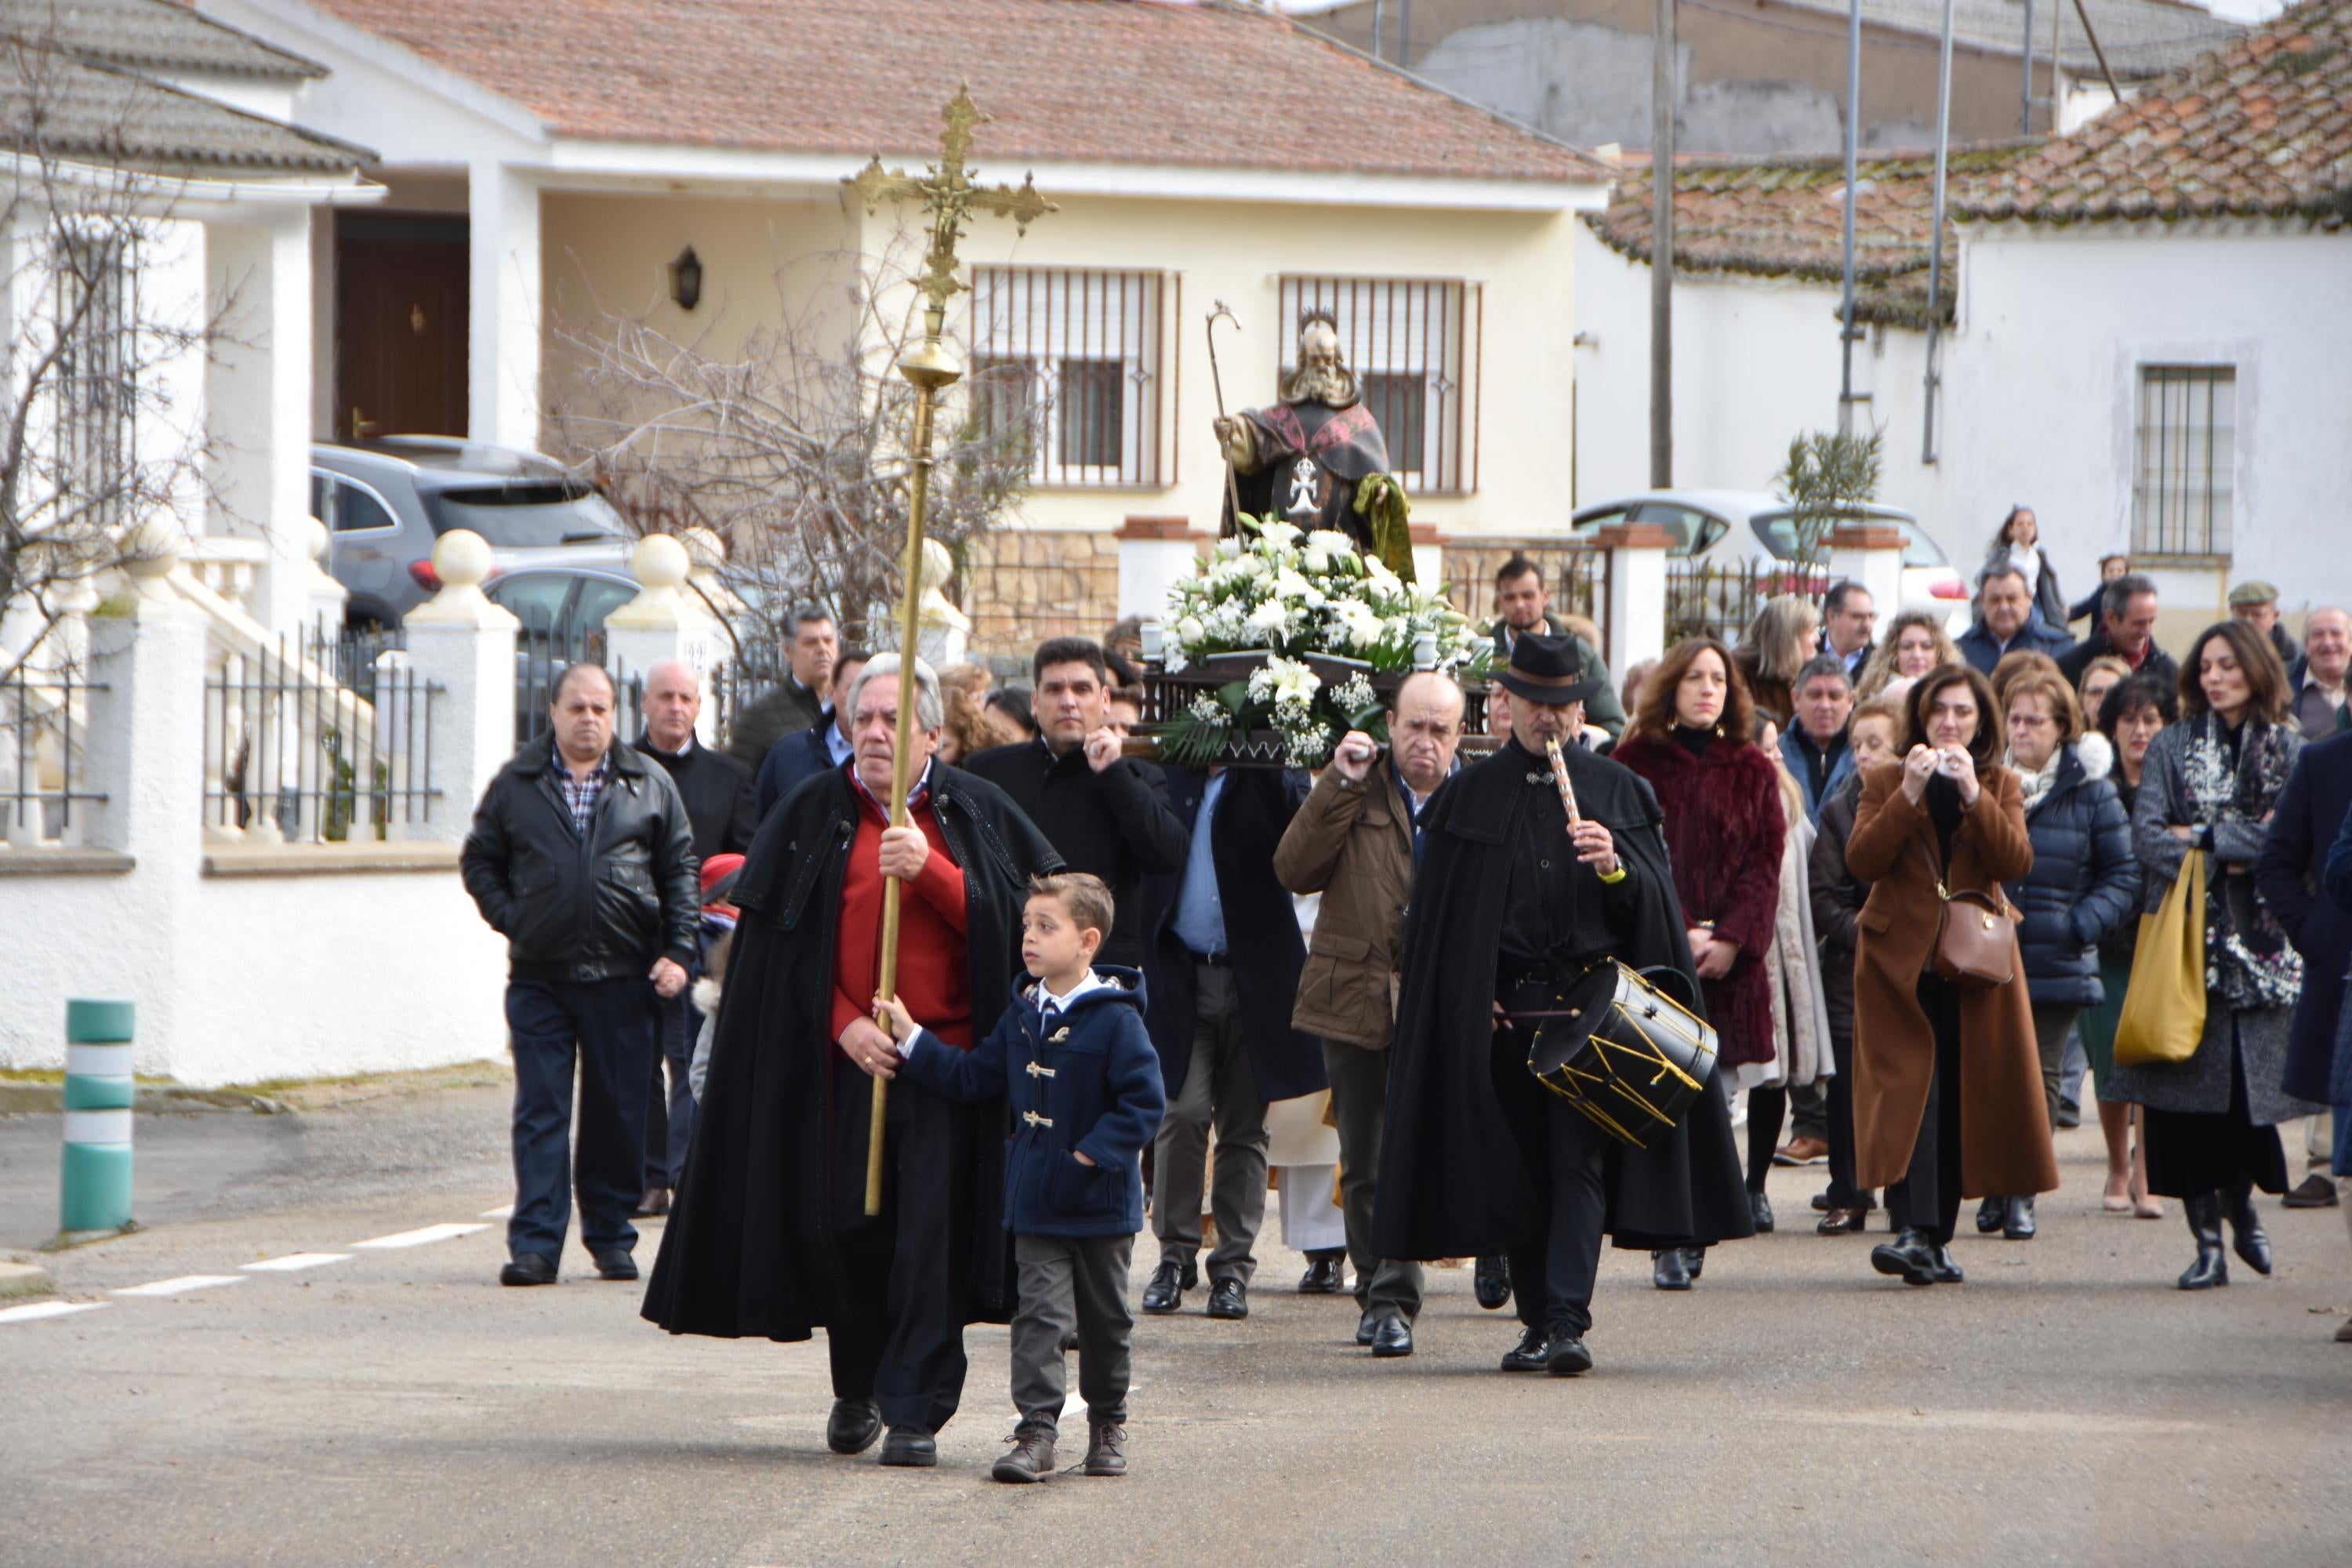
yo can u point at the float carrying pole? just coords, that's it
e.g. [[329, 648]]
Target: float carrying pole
[[94, 1192]]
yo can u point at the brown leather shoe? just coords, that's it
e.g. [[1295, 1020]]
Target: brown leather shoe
[[1105, 1448], [653, 1205], [2316, 1192], [1843, 1222], [1032, 1458], [1805, 1150]]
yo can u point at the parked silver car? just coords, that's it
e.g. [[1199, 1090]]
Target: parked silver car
[[1721, 528], [385, 502]]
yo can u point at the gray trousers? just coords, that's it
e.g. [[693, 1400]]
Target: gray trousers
[[1385, 1286], [1219, 1085], [1071, 1283], [2052, 1021]]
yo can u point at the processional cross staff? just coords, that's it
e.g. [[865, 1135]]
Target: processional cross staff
[[948, 193]]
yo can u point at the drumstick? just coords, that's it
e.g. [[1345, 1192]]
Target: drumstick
[[1560, 777]]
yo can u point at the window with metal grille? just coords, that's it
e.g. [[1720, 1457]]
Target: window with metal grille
[[93, 392], [1075, 354], [1408, 341], [2187, 454]]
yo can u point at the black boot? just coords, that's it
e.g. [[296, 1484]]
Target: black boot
[[2018, 1224], [1910, 1254], [1668, 1269], [1991, 1215], [2246, 1234], [1492, 1283], [1694, 1259], [2211, 1269]]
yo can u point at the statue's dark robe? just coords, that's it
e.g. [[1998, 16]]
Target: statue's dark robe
[[1342, 446], [1452, 1182]]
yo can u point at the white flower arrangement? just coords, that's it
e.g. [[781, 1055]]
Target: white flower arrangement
[[1287, 594]]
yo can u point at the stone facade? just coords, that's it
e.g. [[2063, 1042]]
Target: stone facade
[[1022, 587]]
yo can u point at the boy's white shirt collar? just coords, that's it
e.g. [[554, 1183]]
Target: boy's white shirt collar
[[1046, 998]]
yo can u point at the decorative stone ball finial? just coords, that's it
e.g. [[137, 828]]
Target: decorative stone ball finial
[[705, 549], [461, 559], [314, 541], [155, 550], [660, 562]]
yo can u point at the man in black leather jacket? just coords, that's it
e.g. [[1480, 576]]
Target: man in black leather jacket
[[582, 857]]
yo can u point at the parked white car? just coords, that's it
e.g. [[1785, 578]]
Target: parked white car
[[1723, 528]]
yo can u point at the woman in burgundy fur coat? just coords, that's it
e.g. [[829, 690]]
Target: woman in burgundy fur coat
[[1693, 739]]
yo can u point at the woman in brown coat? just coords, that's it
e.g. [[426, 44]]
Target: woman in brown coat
[[1947, 1084]]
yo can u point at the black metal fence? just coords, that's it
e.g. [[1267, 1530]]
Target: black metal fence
[[293, 754], [44, 742], [542, 653], [1722, 596]]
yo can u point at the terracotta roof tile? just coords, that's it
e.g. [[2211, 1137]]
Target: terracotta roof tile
[[1198, 82], [2256, 129]]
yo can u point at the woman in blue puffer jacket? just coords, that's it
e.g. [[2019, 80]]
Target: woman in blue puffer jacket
[[2085, 881]]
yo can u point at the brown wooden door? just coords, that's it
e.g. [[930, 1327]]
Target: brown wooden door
[[401, 286]]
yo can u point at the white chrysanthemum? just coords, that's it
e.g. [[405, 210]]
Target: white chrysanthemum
[[1280, 534], [1269, 617]]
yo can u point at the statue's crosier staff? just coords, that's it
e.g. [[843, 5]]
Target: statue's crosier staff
[[1232, 490], [948, 193]]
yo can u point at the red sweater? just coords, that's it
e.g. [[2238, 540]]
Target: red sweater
[[934, 965]]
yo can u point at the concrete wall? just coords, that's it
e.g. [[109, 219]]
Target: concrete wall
[[1761, 78]]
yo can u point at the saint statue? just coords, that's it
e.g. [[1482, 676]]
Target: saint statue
[[1317, 457]]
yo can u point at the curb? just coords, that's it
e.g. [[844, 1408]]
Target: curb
[[50, 1099], [24, 1281]]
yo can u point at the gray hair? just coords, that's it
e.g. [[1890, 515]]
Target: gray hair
[[931, 708], [1823, 667], [803, 614], [2119, 594]]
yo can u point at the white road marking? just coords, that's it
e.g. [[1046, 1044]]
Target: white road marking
[[181, 1286], [39, 1309], [430, 1233], [294, 1260], [504, 1211]]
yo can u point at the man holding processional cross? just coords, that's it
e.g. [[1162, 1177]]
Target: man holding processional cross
[[820, 1194]]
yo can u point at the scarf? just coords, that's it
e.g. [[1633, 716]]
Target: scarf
[[2249, 963], [2037, 785]]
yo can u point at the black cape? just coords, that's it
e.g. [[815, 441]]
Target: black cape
[[750, 1248], [1452, 1183], [1344, 447]]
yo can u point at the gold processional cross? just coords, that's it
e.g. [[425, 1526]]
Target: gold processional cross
[[948, 193]]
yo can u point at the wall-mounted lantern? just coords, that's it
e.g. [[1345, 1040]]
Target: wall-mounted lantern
[[686, 279]]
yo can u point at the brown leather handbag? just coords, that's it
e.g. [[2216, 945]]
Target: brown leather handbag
[[1974, 947]]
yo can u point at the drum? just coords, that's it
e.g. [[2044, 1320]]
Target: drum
[[1625, 1053]]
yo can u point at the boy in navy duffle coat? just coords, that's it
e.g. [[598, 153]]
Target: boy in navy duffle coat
[[1072, 1058]]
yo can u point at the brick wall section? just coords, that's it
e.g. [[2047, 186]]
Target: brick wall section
[[1028, 587]]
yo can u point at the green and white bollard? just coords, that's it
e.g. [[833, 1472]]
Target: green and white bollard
[[96, 1190]]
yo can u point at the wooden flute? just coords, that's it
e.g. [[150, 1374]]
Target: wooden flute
[[1560, 777]]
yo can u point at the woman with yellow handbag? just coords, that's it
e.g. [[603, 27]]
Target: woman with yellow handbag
[[2210, 954]]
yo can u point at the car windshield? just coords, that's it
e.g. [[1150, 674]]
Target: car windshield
[[1777, 529], [530, 514]]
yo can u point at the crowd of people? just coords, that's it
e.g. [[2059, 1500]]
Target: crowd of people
[[1920, 889]]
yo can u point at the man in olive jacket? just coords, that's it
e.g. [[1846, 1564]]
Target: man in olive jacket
[[1354, 841], [582, 857]]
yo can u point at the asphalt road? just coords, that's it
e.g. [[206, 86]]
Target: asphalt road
[[2066, 1405]]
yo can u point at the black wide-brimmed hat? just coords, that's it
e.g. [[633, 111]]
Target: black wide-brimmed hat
[[1547, 670]]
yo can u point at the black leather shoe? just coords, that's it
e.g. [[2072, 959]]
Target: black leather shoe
[[1324, 1276], [1694, 1259], [2247, 1236], [1567, 1357], [1843, 1221], [652, 1205], [910, 1447], [528, 1268], [853, 1426], [1365, 1328], [1946, 1271], [1491, 1282], [1760, 1209], [1228, 1298], [1165, 1293], [1991, 1215], [2019, 1224], [1529, 1355], [1820, 1201], [2211, 1268], [1392, 1336], [1668, 1271], [614, 1264], [1191, 1279], [1910, 1255]]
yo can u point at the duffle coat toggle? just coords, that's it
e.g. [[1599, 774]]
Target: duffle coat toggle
[[1033, 1119]]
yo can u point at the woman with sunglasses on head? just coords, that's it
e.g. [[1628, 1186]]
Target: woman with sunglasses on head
[[2208, 788]]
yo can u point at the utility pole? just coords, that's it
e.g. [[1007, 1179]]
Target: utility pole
[[2026, 92], [1662, 250], [1934, 377], [1852, 141]]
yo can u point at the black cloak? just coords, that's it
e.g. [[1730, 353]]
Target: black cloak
[[1452, 1183], [750, 1248], [1342, 447]]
